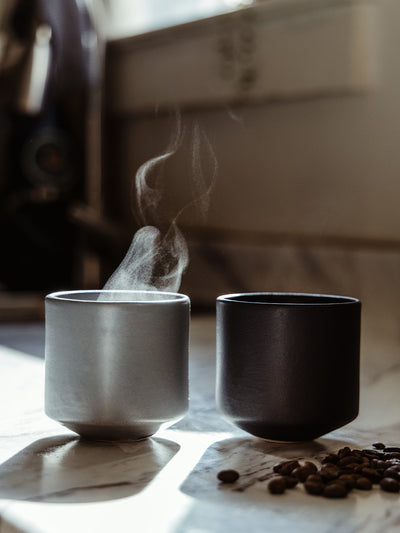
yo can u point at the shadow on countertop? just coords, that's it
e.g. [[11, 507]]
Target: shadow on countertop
[[27, 337], [67, 469]]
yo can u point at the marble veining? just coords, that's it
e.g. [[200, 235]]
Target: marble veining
[[68, 469], [52, 481]]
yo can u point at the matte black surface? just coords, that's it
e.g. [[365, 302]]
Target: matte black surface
[[288, 364]]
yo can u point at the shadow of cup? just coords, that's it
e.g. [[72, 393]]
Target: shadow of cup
[[246, 503], [254, 460], [70, 470]]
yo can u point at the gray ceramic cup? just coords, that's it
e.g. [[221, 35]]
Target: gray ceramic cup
[[288, 364], [116, 367]]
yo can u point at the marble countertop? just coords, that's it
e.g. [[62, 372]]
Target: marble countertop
[[50, 481]]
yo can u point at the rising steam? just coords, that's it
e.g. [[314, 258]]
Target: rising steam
[[156, 259]]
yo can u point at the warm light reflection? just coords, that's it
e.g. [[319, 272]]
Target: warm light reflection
[[193, 445], [131, 17], [164, 489], [238, 3]]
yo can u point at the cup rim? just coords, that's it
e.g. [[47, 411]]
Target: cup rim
[[287, 299], [164, 297]]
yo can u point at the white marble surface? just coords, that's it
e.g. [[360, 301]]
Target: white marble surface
[[51, 482]]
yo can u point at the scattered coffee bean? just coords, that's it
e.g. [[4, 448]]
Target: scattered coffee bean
[[358, 468], [330, 458], [348, 460], [379, 464], [343, 452], [302, 472], [392, 462], [314, 487], [290, 481], [356, 453], [373, 454], [339, 473], [392, 455], [277, 486], [286, 467], [363, 483], [348, 479], [351, 467], [329, 472], [228, 476], [389, 484], [314, 478], [311, 466], [392, 472], [371, 474], [335, 490]]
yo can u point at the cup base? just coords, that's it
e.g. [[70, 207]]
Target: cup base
[[274, 441], [288, 433], [135, 432]]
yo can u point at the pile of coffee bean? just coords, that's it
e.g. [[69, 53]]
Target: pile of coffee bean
[[339, 473], [342, 472]]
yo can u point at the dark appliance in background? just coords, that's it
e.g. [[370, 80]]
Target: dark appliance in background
[[50, 82]]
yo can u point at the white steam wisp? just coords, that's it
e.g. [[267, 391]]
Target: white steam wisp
[[156, 260]]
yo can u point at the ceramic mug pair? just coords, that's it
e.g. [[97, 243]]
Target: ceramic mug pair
[[117, 362]]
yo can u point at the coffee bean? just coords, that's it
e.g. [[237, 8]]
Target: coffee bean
[[392, 472], [389, 484], [395, 463], [343, 452], [379, 445], [379, 464], [277, 486], [358, 468], [392, 455], [371, 454], [302, 472], [329, 472], [392, 449], [371, 474], [290, 481], [363, 483], [348, 460], [311, 467], [351, 467], [330, 458], [356, 453], [314, 487], [228, 476], [335, 490], [286, 467], [314, 478], [348, 479]]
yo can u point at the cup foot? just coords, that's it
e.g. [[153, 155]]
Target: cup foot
[[135, 432], [287, 433]]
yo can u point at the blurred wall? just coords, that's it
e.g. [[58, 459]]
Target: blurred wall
[[305, 129]]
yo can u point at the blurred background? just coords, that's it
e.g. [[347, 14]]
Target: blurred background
[[288, 119]]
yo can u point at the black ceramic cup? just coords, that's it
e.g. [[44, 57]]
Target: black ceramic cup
[[288, 364]]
